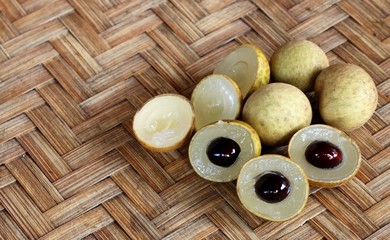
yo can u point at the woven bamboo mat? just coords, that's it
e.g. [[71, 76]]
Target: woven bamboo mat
[[73, 73]]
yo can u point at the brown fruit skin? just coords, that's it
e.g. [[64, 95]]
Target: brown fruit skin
[[298, 63], [276, 111], [347, 96]]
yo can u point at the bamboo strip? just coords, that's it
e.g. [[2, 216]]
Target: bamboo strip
[[62, 104], [59, 135], [275, 230], [34, 37], [15, 127], [183, 28], [192, 9], [88, 222], [143, 163], [134, 223], [31, 185], [380, 160], [127, 10], [306, 231], [363, 196], [24, 211], [368, 44], [83, 202], [116, 74], [329, 40], [277, 13], [124, 51], [139, 192], [179, 169], [219, 37], [76, 56], [206, 64], [359, 10], [230, 224], [128, 28], [187, 210], [351, 54], [41, 177], [198, 229], [379, 185], [229, 193], [31, 6], [109, 98], [212, 6], [12, 9], [9, 229], [224, 16], [380, 212], [104, 121], [306, 9], [91, 12], [318, 23], [88, 175], [154, 82], [346, 212], [97, 147], [382, 233], [383, 136], [332, 228], [173, 45], [10, 151], [85, 34], [44, 155], [20, 104], [167, 68], [8, 31], [112, 231], [181, 190], [45, 14], [29, 59], [268, 29], [6, 177], [22, 83]]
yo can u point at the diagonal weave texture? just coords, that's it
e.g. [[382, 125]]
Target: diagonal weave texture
[[73, 73]]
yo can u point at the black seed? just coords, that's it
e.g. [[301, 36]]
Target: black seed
[[223, 151], [323, 154], [272, 187]]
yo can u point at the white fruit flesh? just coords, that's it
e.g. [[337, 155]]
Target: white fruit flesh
[[164, 121], [351, 153], [199, 143], [241, 65], [283, 210], [215, 98]]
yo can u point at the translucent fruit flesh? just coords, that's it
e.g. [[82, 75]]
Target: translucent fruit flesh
[[216, 97], [160, 127]]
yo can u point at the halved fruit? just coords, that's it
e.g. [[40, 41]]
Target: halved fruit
[[247, 66], [164, 122], [273, 187], [218, 151], [216, 97], [327, 155]]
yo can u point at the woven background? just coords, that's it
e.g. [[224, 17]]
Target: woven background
[[73, 72]]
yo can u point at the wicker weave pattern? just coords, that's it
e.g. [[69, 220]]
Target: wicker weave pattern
[[73, 73]]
